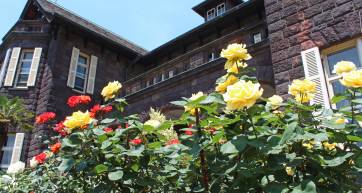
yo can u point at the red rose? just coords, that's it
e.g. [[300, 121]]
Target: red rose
[[108, 130], [60, 128], [189, 132], [40, 158], [127, 125], [136, 141], [173, 142], [107, 109], [44, 117], [73, 101], [56, 147], [97, 108]]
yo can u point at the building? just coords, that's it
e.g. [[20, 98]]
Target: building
[[51, 54]]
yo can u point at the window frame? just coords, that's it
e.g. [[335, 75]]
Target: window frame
[[223, 10], [87, 66], [20, 64], [6, 148], [208, 17], [329, 77], [254, 37]]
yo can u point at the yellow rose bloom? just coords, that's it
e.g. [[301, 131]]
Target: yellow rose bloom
[[221, 87], [236, 66], [290, 171], [193, 98], [235, 53], [242, 95], [302, 90], [309, 146], [111, 90], [304, 98], [344, 67], [329, 146], [275, 101], [78, 120], [352, 79], [341, 121]]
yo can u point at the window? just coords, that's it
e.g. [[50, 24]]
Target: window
[[170, 73], [220, 9], [210, 14], [23, 71], [7, 151], [81, 73], [348, 51], [257, 38], [211, 57]]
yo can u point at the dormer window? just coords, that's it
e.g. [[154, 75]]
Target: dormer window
[[211, 14], [220, 9]]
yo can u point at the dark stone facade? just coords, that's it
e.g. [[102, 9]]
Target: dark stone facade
[[297, 25]]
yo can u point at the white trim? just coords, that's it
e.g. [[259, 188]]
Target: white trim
[[86, 66], [223, 10], [4, 66], [210, 16], [21, 60]]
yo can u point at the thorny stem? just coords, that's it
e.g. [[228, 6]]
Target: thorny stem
[[353, 95], [252, 124], [204, 170]]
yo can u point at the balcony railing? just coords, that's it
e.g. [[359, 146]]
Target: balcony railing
[[30, 26]]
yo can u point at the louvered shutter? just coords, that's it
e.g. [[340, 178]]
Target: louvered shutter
[[10, 74], [92, 74], [73, 67], [4, 66], [34, 66], [18, 146], [313, 70]]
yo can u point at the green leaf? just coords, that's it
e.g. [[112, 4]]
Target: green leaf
[[234, 146], [106, 144], [107, 121], [307, 186], [66, 165], [338, 98], [337, 161], [75, 139], [179, 103], [354, 138], [101, 168], [288, 132], [114, 176], [359, 101]]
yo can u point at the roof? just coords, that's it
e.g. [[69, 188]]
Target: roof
[[56, 10]]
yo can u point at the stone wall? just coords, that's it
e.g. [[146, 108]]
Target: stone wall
[[297, 25]]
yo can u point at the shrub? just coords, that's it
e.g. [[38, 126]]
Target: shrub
[[232, 140]]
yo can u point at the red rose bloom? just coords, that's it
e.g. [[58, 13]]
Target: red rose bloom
[[127, 125], [56, 147], [40, 158], [60, 128], [136, 141], [73, 101], [44, 117], [173, 142], [108, 130], [189, 132], [107, 109], [98, 109]]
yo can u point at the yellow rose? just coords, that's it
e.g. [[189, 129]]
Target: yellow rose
[[352, 79], [193, 98], [290, 171], [235, 53], [302, 90], [341, 121], [111, 90], [242, 94], [329, 146], [78, 120], [236, 66], [344, 67], [308, 145], [275, 101], [221, 87]]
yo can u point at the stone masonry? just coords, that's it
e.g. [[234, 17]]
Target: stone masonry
[[297, 25]]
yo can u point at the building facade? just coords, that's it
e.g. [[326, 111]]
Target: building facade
[[51, 54]]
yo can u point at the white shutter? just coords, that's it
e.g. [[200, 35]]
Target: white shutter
[[73, 67], [18, 146], [313, 70], [92, 74], [10, 74], [34, 67], [4, 66]]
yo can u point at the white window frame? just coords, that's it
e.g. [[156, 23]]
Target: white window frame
[[212, 57], [86, 73], [6, 148], [20, 64], [220, 11], [210, 16], [330, 78], [257, 37], [170, 74]]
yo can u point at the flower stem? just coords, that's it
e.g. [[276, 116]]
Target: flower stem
[[204, 170], [353, 96]]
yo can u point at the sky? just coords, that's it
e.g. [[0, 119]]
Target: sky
[[148, 23]]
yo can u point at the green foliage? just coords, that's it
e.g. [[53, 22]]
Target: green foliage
[[14, 114]]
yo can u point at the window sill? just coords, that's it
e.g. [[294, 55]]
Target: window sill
[[17, 88], [78, 91]]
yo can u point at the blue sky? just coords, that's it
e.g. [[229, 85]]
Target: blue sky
[[148, 23]]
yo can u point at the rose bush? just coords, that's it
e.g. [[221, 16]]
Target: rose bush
[[232, 140]]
